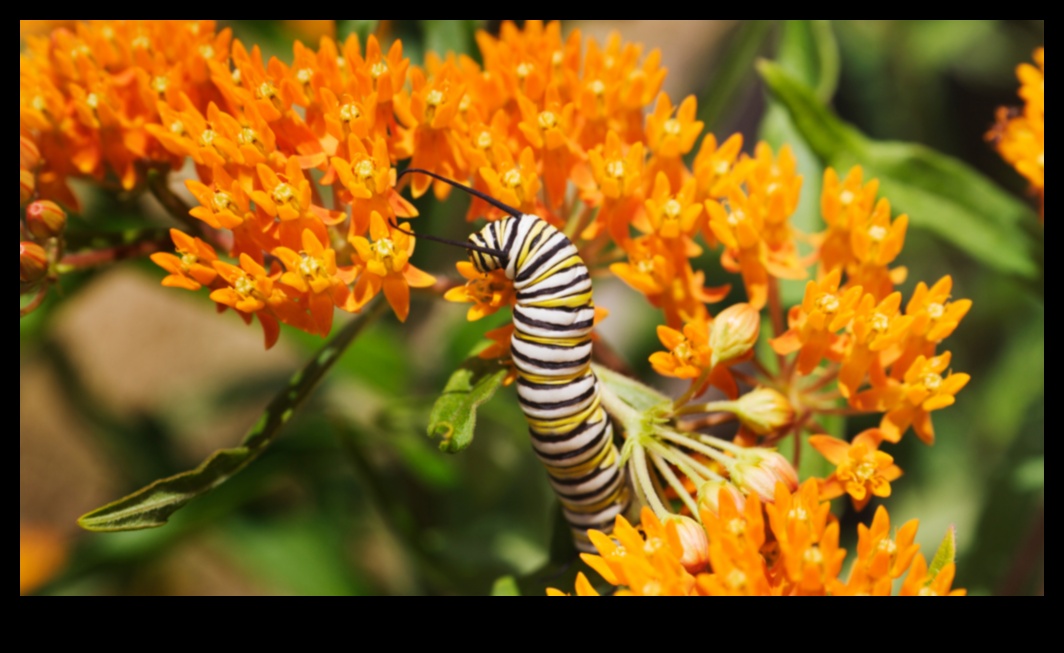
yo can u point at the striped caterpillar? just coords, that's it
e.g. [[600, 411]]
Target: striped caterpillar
[[551, 347]]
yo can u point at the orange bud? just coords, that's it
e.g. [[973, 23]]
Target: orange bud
[[709, 496], [734, 333], [27, 186], [764, 411], [695, 543], [761, 470], [32, 262], [29, 157], [45, 220]]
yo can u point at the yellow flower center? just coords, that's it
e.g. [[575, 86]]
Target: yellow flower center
[[735, 217], [673, 127], [223, 202], [877, 233], [880, 323], [737, 579], [932, 382], [653, 588], [936, 311], [928, 592], [108, 33], [159, 85], [683, 352], [523, 71], [284, 193], [187, 261], [237, 77], [378, 70], [615, 169], [597, 87], [349, 112], [557, 58], [206, 51], [721, 168], [245, 286], [465, 103], [828, 304], [512, 178], [646, 266], [177, 127], [341, 63], [384, 249], [846, 197], [813, 556], [266, 91], [889, 547], [737, 526], [653, 545], [194, 28], [141, 42], [864, 471], [39, 104], [365, 169], [311, 267], [434, 98], [673, 209], [485, 141], [304, 76], [798, 513], [207, 137], [547, 120], [93, 101], [248, 136]]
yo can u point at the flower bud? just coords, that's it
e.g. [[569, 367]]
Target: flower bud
[[694, 541], [27, 185], [32, 262], [761, 470], [709, 496], [45, 220], [29, 157], [764, 411], [734, 333]]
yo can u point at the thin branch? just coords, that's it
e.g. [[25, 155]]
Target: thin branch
[[35, 303], [97, 257]]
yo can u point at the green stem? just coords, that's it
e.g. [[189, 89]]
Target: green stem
[[687, 464], [95, 258], [35, 303], [694, 445], [711, 407], [675, 483], [642, 475]]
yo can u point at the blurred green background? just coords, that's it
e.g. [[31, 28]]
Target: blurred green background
[[123, 382]]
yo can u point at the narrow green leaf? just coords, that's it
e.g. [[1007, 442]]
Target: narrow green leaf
[[454, 416], [947, 554], [727, 80], [153, 506], [810, 52], [941, 194], [632, 392], [363, 28], [443, 36], [506, 586]]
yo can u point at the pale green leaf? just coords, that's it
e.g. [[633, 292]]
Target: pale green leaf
[[506, 586], [454, 416], [946, 555], [640, 397], [153, 506]]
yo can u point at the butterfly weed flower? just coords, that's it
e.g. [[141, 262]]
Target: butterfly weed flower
[[1019, 136]]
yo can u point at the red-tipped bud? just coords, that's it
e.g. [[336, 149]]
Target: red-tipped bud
[[29, 157], [761, 470], [45, 220], [27, 186], [709, 496], [734, 333], [694, 541], [764, 411], [32, 262]]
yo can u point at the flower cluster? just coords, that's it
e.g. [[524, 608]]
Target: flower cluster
[[746, 548], [1019, 134]]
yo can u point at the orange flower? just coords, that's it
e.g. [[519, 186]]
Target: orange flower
[[253, 292], [843, 205], [370, 183], [715, 167], [513, 182], [921, 583], [195, 267], [816, 323], [882, 555], [875, 330], [923, 392], [429, 113], [935, 318], [673, 217], [487, 292], [385, 258], [42, 554], [876, 242], [670, 138], [646, 567], [862, 471], [618, 174], [689, 357], [1020, 136], [313, 272], [550, 131], [808, 540]]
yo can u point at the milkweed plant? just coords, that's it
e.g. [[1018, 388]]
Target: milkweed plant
[[283, 176]]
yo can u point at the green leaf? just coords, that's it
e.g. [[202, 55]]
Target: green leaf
[[1031, 475], [736, 61], [641, 397], [153, 506], [506, 586], [363, 28], [443, 36], [946, 555], [810, 52], [941, 194], [454, 416]]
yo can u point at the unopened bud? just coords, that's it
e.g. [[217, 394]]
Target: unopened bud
[[734, 333], [27, 185], [761, 470], [29, 157], [32, 262], [45, 220], [695, 544], [709, 496], [764, 411]]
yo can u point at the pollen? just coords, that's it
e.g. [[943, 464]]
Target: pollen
[[207, 137], [722, 168], [159, 85], [597, 87], [378, 70], [39, 104], [557, 59], [936, 311], [877, 233], [93, 101], [512, 178], [465, 103], [266, 91], [188, 260], [889, 547], [177, 127], [847, 197], [384, 248], [813, 556], [349, 112], [615, 169], [547, 120], [236, 76], [673, 127], [523, 71], [683, 351], [737, 579], [798, 513], [245, 286], [646, 266], [485, 141], [247, 136], [206, 51], [673, 209], [653, 545], [304, 75], [310, 267], [434, 98], [932, 382], [880, 323], [737, 527], [828, 304], [283, 194], [141, 42], [223, 201], [365, 168], [735, 217], [1041, 159]]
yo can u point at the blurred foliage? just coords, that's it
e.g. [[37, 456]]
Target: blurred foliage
[[355, 499]]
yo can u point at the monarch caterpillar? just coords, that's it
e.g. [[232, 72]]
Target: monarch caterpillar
[[559, 393]]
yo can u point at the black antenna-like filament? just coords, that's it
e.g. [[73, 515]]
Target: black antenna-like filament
[[497, 253]]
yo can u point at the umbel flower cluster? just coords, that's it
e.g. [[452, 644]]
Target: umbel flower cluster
[[294, 176], [1020, 134]]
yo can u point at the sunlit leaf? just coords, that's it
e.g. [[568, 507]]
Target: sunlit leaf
[[506, 586], [737, 61], [153, 506], [443, 36], [810, 52], [454, 416], [940, 194]]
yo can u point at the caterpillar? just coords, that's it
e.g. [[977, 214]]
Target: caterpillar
[[560, 395]]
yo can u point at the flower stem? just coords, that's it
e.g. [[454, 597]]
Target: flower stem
[[35, 303], [646, 483], [701, 448], [706, 422], [675, 483], [98, 257]]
